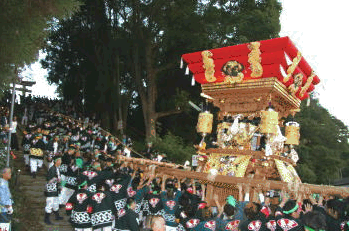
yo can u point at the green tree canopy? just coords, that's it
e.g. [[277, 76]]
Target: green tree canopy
[[24, 27], [324, 144]]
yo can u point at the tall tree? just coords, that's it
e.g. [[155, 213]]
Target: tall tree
[[324, 144], [153, 35], [161, 31], [23, 30]]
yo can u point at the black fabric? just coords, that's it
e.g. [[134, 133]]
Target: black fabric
[[127, 219]]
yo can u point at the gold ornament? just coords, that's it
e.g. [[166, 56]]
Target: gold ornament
[[298, 81], [232, 70], [208, 66], [269, 122], [293, 66], [204, 124], [254, 58], [36, 152], [292, 134], [307, 84]]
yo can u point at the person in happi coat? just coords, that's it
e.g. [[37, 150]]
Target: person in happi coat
[[36, 156], [52, 200], [79, 209], [103, 209], [127, 218]]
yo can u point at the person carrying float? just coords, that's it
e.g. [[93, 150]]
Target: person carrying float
[[78, 208]]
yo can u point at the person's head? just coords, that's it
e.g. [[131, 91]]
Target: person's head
[[56, 138], [229, 210], [251, 210], [97, 166], [314, 221], [292, 209], [131, 203], [334, 208], [6, 173], [204, 212], [158, 223], [170, 188], [58, 161]]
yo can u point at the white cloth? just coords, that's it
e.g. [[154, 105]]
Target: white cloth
[[40, 163], [83, 229], [55, 147], [26, 159], [5, 226], [170, 228], [52, 204], [35, 164], [65, 194], [108, 228], [13, 127]]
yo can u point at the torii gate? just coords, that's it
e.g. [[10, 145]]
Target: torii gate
[[25, 84]]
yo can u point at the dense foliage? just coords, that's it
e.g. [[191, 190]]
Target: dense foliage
[[24, 27], [123, 56], [324, 145]]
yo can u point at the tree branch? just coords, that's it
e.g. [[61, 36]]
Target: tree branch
[[168, 113]]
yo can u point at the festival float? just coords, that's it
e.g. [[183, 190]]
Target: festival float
[[256, 86]]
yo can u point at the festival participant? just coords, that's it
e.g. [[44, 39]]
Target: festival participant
[[102, 209], [13, 130], [78, 208], [153, 205], [228, 217], [36, 154], [26, 143], [5, 196], [333, 214], [288, 214], [68, 185], [52, 199], [53, 148], [314, 220], [119, 189], [127, 218], [65, 143], [255, 220], [170, 199], [158, 223]]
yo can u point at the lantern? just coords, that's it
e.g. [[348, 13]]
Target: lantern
[[205, 121], [292, 133], [204, 126], [269, 121]]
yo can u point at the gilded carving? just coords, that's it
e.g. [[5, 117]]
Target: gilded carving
[[232, 70], [296, 85], [307, 84], [254, 58], [293, 66], [208, 66]]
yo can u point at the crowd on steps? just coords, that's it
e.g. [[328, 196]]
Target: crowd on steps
[[99, 190]]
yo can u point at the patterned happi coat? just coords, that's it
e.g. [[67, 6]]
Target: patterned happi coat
[[103, 209], [79, 209]]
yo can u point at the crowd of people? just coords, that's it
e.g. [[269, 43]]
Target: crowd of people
[[89, 178]]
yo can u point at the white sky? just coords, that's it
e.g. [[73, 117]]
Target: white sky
[[319, 30]]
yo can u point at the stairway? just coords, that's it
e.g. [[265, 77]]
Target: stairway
[[33, 191]]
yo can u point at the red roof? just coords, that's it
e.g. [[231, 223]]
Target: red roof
[[268, 58]]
